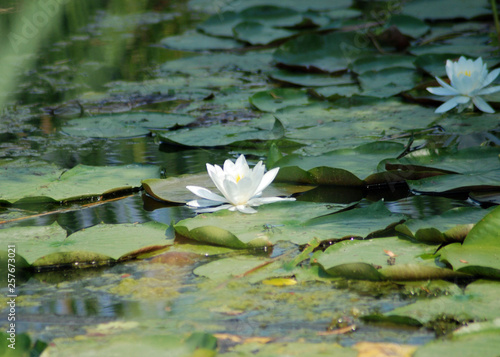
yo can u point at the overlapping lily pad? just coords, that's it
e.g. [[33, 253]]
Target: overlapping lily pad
[[449, 227], [329, 53], [25, 181], [343, 167], [220, 135], [124, 125], [445, 9], [479, 254], [104, 243], [383, 258], [192, 41], [476, 303], [296, 222], [272, 100]]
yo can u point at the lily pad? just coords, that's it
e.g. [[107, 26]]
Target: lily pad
[[445, 9], [48, 245], [124, 125], [382, 258], [408, 25], [298, 5], [479, 254], [329, 53], [24, 181], [310, 79], [388, 82], [449, 227], [220, 135], [272, 223], [378, 63], [192, 41], [344, 167], [274, 99], [476, 303], [257, 34], [216, 62]]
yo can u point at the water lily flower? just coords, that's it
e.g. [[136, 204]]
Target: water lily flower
[[468, 80], [240, 186]]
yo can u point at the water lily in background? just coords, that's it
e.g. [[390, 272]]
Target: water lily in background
[[468, 80], [240, 186]]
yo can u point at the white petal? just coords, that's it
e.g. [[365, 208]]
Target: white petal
[[213, 209], [482, 105], [245, 209], [488, 90], [205, 193], [446, 85], [441, 91], [267, 179], [491, 77], [266, 200], [217, 176], [449, 69], [202, 203], [449, 104], [232, 193]]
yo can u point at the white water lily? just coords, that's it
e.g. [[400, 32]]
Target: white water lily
[[240, 186], [468, 80]]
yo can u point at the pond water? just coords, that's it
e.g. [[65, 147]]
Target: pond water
[[82, 67]]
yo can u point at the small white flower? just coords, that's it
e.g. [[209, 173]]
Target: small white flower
[[468, 80], [240, 186]]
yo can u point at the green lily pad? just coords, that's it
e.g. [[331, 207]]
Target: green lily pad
[[33, 181], [330, 53], [345, 167], [343, 14], [257, 34], [272, 223], [466, 161], [465, 344], [274, 99], [124, 125], [193, 41], [131, 341], [382, 258], [476, 303], [479, 254], [408, 25], [221, 24], [216, 62], [220, 135], [471, 46], [331, 92], [48, 245], [290, 349], [449, 227], [388, 82], [378, 63], [298, 5], [457, 183], [445, 9], [310, 79]]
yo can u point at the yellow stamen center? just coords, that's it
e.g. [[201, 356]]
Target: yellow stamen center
[[466, 73], [238, 178]]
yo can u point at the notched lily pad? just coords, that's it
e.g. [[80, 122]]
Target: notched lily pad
[[343, 167], [103, 243], [29, 181], [382, 258], [480, 252], [192, 41], [449, 227], [124, 125]]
